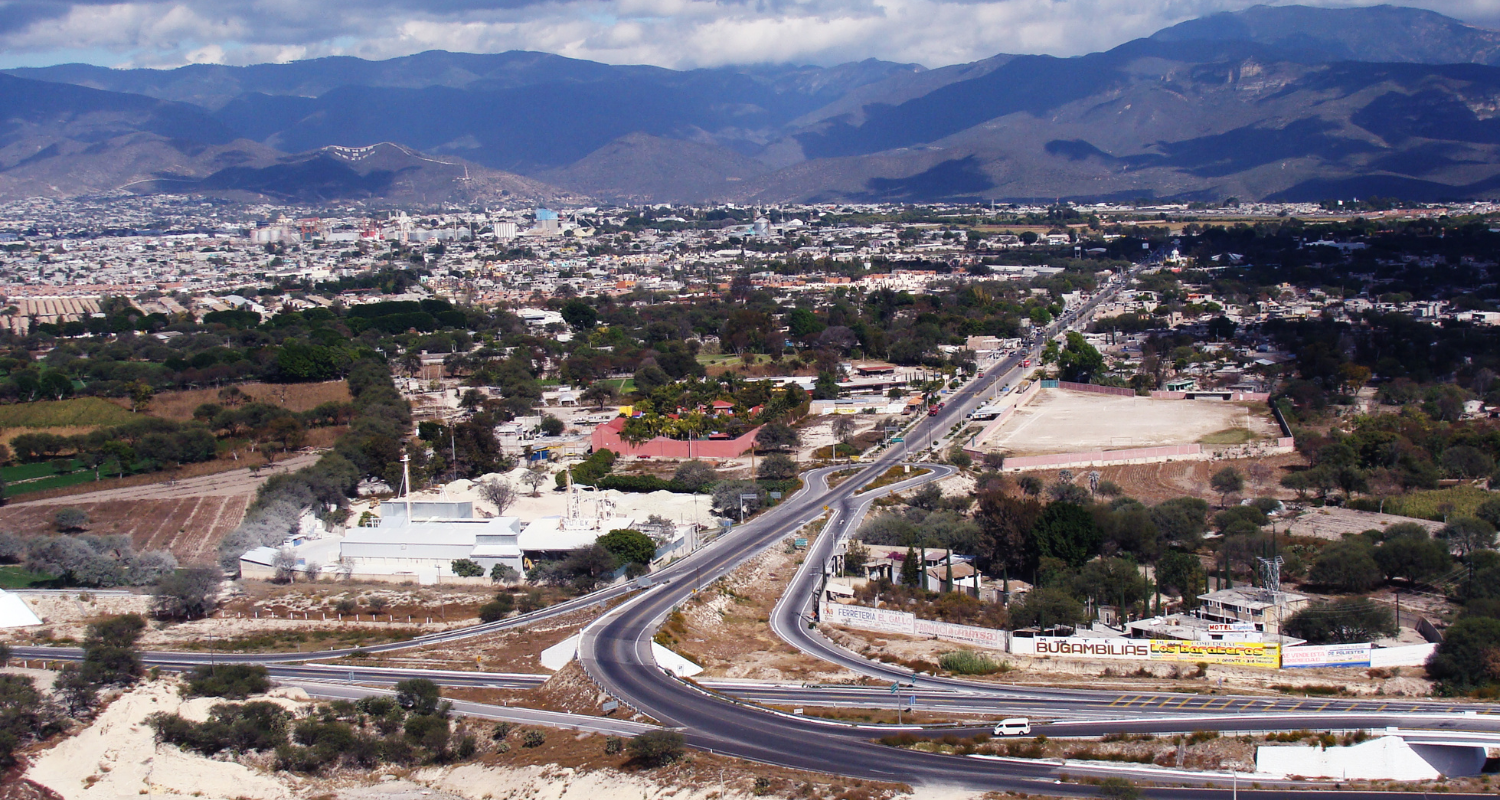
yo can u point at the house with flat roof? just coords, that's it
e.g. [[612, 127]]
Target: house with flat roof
[[1263, 608]]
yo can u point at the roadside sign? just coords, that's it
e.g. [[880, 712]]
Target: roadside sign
[[895, 687], [897, 439], [610, 705], [775, 495], [801, 543]]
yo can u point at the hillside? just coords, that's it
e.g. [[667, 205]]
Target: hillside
[[1283, 102]]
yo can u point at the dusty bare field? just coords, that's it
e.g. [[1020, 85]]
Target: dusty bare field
[[190, 527], [726, 627], [293, 396], [1334, 522], [116, 756], [1061, 421], [1153, 483]]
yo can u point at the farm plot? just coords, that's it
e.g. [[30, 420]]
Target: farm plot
[[190, 527]]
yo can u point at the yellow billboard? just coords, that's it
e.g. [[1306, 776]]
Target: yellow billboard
[[1242, 654]]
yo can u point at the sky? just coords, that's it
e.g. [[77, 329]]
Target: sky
[[668, 33]]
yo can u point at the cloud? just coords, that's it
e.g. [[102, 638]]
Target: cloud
[[669, 33]]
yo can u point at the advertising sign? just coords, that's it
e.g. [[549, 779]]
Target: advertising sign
[[870, 619], [1328, 655], [1242, 654], [990, 638], [1082, 647]]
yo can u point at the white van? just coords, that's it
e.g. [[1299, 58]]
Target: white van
[[1015, 726]]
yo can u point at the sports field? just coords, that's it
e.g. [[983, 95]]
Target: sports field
[[1062, 421]]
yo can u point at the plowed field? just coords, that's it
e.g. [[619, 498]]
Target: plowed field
[[190, 527]]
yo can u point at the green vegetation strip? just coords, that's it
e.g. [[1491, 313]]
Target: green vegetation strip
[[891, 476], [78, 412]]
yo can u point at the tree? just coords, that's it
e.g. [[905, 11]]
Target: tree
[[777, 436], [628, 546], [284, 565], [1182, 573], [1465, 535], [498, 493], [1046, 607], [535, 476], [1351, 619], [584, 569], [1079, 361], [1465, 660], [911, 568], [23, 716], [725, 500], [776, 467], [656, 748], [1030, 485], [70, 520], [826, 387], [1066, 531], [140, 393], [599, 393], [1347, 566], [186, 594], [109, 656], [1182, 521], [1227, 481], [1418, 559], [501, 573], [579, 314], [842, 427], [419, 696], [467, 568], [694, 475], [552, 426], [856, 557], [230, 681]]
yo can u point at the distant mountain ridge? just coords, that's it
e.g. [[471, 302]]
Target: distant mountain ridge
[[1283, 102]]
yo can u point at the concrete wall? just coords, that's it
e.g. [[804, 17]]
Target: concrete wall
[[1094, 458], [1387, 758], [1118, 391]]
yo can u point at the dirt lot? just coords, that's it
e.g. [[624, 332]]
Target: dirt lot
[[190, 527], [1334, 522], [1060, 421], [726, 627], [1153, 483]]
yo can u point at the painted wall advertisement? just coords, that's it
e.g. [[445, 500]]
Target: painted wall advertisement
[[989, 638], [1081, 647], [1327, 655], [1242, 654], [870, 619]]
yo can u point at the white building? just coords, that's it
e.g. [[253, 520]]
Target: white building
[[420, 539]]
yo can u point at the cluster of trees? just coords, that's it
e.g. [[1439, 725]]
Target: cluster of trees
[[413, 727], [1386, 454], [144, 445], [99, 562], [371, 449]]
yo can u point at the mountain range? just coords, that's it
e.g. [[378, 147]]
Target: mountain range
[[1273, 102]]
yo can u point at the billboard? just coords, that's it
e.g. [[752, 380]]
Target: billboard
[[1082, 647], [1327, 655], [1242, 654]]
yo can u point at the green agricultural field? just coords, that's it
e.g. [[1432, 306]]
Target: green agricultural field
[[18, 577], [1457, 501], [729, 359], [77, 412]]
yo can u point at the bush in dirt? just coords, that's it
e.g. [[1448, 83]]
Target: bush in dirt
[[498, 608], [533, 738], [968, 662], [186, 594], [241, 728], [232, 681], [70, 520], [657, 748], [419, 696]]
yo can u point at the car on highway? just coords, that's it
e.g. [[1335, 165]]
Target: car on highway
[[1015, 726]]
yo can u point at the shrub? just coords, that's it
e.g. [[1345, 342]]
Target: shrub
[[613, 746], [497, 609], [968, 662], [533, 738], [232, 681], [657, 748]]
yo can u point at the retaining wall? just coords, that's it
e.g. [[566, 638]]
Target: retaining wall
[[1096, 458]]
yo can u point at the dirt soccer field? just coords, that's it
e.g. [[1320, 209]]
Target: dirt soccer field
[[1061, 421]]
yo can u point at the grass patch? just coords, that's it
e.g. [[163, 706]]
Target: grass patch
[[968, 662], [1431, 504], [729, 359], [54, 482], [1229, 436], [836, 478], [302, 639], [15, 576], [76, 412], [892, 475]]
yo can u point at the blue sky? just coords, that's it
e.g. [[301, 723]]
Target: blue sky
[[669, 33]]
